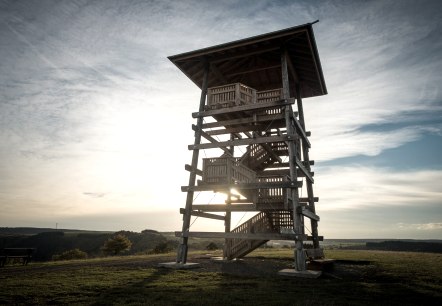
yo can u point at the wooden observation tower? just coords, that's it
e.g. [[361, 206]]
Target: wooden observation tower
[[251, 116]]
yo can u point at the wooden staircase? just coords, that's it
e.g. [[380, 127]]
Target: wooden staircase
[[263, 222], [259, 156]]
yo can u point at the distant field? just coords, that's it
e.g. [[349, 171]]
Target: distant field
[[393, 278]]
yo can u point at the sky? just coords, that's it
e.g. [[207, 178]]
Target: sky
[[95, 120]]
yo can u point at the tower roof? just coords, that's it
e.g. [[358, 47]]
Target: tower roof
[[256, 61]]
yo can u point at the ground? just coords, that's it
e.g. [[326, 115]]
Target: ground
[[358, 278]]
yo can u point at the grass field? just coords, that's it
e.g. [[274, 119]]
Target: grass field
[[391, 278]]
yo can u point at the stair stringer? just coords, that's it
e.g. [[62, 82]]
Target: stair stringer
[[263, 222]]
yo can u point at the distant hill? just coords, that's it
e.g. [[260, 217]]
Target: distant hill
[[38, 230], [406, 246], [50, 242]]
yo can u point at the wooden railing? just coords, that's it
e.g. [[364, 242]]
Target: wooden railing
[[226, 170], [230, 95], [264, 222]]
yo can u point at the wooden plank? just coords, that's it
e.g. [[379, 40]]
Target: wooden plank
[[189, 168], [308, 213], [315, 199], [280, 165], [242, 186], [246, 236], [304, 170], [210, 138], [242, 142], [286, 165], [203, 215], [280, 172], [320, 238], [247, 120], [271, 152], [242, 108], [182, 249], [302, 132], [240, 129], [224, 207]]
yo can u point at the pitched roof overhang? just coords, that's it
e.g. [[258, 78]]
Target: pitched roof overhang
[[256, 61]]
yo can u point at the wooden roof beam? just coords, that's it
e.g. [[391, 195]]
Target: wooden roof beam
[[292, 69], [254, 70], [218, 74], [216, 59]]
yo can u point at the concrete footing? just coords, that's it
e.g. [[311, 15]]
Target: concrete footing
[[300, 274], [179, 266], [223, 259]]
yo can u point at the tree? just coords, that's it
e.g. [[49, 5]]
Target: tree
[[116, 244]]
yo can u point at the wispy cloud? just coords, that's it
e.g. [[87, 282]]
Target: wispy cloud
[[361, 187], [95, 194], [421, 226], [85, 88]]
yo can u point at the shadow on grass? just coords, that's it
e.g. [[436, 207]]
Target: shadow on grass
[[199, 287]]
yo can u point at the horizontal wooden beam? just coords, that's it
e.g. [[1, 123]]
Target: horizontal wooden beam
[[242, 142], [190, 169], [315, 199], [242, 129], [203, 215], [246, 236], [280, 172], [247, 120], [286, 165], [224, 207], [242, 186], [310, 238], [241, 108]]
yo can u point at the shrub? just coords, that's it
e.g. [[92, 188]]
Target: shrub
[[70, 255], [163, 247], [212, 246]]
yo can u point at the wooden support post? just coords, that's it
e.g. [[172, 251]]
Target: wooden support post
[[309, 185], [182, 248], [298, 225], [228, 214]]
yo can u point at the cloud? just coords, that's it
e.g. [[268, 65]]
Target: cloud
[[95, 194], [89, 101], [421, 226], [356, 187]]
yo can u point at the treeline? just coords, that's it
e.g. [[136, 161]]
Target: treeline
[[51, 244], [405, 246]]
